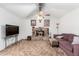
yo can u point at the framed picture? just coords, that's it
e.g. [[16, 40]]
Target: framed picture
[[46, 22], [33, 22]]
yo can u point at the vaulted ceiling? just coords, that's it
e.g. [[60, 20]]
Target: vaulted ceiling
[[22, 10], [28, 9], [60, 9]]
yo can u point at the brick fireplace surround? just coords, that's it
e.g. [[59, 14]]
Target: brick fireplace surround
[[40, 31]]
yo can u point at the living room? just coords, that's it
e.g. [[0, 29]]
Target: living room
[[38, 24]]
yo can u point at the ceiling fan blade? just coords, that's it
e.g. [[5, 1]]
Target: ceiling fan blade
[[41, 5], [47, 14]]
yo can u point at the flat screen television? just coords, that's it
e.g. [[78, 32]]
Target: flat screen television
[[12, 30]]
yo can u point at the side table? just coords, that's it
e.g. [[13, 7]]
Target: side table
[[28, 37], [54, 42]]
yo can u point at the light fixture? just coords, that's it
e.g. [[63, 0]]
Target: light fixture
[[41, 14]]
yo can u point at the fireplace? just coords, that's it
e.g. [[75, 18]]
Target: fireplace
[[40, 31]]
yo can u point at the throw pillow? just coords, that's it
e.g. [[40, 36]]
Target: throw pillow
[[75, 40]]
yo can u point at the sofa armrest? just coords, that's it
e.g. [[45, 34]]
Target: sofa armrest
[[76, 49], [55, 35]]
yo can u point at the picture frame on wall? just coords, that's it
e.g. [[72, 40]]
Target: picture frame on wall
[[46, 22], [33, 22]]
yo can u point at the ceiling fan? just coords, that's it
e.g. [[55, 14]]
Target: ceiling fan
[[41, 13], [41, 5]]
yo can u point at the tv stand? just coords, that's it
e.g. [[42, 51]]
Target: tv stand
[[10, 39]]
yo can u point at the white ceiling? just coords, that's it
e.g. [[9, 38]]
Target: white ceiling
[[21, 10], [60, 9], [54, 9]]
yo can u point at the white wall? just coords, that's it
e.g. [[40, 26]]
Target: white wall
[[70, 22], [28, 27], [52, 27], [8, 18]]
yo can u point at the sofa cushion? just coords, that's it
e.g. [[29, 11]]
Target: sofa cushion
[[65, 38], [71, 37], [68, 37], [66, 45]]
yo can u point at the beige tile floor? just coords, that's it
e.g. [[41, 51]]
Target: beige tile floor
[[32, 48]]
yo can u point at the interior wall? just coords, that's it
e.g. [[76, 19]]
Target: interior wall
[[28, 27], [52, 27], [9, 18], [70, 22]]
